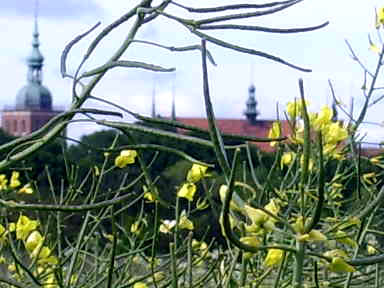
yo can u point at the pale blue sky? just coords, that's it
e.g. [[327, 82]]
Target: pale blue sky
[[324, 51]]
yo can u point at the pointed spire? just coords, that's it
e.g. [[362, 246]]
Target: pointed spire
[[153, 112], [173, 115], [251, 112], [35, 59]]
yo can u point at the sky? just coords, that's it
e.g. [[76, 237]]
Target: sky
[[324, 51]]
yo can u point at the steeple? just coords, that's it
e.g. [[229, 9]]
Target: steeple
[[34, 96], [35, 59], [173, 113], [153, 112], [251, 112]]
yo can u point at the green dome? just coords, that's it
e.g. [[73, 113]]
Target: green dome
[[34, 96]]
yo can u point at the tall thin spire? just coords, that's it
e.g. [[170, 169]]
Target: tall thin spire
[[35, 59], [153, 112], [173, 116]]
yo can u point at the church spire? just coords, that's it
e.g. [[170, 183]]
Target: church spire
[[153, 112], [251, 112], [35, 59], [173, 113]]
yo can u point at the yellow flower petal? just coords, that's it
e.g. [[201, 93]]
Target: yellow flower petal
[[26, 189], [323, 119], [275, 132], [251, 241], [187, 191], [25, 226], [140, 285], [167, 226], [274, 257], [184, 222], [15, 182], [196, 173], [287, 159], [126, 157], [371, 250], [34, 240]]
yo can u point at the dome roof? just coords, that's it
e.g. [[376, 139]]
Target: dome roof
[[34, 96]]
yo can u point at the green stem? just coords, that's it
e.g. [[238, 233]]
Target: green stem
[[300, 255]]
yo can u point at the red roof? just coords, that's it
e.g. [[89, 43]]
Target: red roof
[[241, 127]]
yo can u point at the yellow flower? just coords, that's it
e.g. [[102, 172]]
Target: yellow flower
[[12, 267], [167, 226], [44, 256], [250, 241], [274, 257], [187, 191], [335, 133], [34, 241], [273, 206], [50, 281], [380, 17], [135, 227], [274, 132], [287, 159], [126, 157], [140, 285], [262, 223], [159, 276], [25, 226], [339, 265], [15, 182], [26, 189], [295, 108], [313, 235], [299, 225], [149, 196], [3, 182], [370, 178], [323, 119], [371, 250], [12, 227], [196, 173], [184, 222]]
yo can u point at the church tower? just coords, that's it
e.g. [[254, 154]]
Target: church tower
[[251, 112], [33, 107]]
